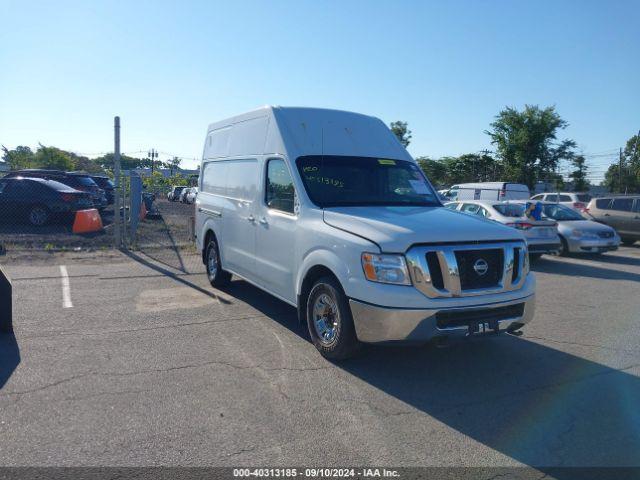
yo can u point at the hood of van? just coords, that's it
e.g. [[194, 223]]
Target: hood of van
[[396, 229]]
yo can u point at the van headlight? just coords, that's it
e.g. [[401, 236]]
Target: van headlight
[[385, 268]]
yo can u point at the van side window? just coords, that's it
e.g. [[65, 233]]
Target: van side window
[[565, 198], [279, 192], [622, 204], [603, 203]]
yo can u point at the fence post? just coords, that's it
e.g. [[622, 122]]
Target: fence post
[[191, 228], [6, 311], [117, 188]]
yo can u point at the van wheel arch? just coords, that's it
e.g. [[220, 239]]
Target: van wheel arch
[[316, 272]]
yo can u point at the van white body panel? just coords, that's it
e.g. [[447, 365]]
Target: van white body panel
[[490, 191], [275, 250]]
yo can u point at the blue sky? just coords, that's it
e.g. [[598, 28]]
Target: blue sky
[[169, 68]]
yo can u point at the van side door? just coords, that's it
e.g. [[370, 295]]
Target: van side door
[[238, 246], [210, 202], [276, 228]]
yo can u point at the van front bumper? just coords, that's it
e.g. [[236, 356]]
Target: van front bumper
[[378, 324]]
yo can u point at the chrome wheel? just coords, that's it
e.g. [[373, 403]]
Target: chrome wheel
[[326, 319], [212, 261]]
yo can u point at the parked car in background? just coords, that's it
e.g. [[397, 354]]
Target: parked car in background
[[191, 195], [174, 193], [487, 191], [578, 235], [38, 200], [78, 181], [577, 201], [541, 235], [183, 194], [107, 185], [619, 212], [342, 223]]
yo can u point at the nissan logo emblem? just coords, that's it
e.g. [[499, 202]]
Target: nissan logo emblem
[[481, 266]]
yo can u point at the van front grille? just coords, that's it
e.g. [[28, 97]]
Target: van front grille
[[479, 268], [458, 270]]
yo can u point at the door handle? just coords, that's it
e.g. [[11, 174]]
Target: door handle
[[607, 215], [263, 221], [251, 218], [637, 217]]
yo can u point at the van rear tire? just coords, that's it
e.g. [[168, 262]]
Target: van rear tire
[[628, 241], [216, 275], [330, 321]]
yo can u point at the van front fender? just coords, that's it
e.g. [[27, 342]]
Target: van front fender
[[339, 266]]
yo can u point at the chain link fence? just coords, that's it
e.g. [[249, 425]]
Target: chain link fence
[[39, 214], [44, 215]]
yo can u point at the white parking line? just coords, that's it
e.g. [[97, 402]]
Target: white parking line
[[66, 289]]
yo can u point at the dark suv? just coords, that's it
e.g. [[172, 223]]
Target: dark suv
[[619, 212], [107, 185], [79, 181]]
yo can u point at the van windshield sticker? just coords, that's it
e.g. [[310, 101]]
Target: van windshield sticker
[[384, 161], [326, 181]]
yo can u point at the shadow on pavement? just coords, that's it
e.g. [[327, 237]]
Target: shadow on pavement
[[275, 309], [9, 357], [535, 404], [571, 269], [172, 275], [612, 259]]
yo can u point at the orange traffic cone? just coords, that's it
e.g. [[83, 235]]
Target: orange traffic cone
[[87, 221], [143, 211]]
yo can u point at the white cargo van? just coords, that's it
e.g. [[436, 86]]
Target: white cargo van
[[488, 191], [328, 212]]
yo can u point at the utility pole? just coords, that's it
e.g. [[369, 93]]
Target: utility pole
[[620, 170], [116, 174], [152, 154]]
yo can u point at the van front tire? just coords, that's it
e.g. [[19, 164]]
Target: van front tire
[[216, 275], [330, 321]]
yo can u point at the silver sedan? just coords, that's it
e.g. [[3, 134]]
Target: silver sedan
[[579, 235]]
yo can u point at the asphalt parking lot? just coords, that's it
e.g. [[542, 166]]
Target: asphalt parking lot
[[136, 363]]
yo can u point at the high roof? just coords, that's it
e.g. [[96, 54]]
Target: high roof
[[297, 131]]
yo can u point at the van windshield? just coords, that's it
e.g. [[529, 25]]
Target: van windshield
[[333, 181]]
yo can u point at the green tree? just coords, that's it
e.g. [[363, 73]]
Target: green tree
[[527, 145], [126, 162], [579, 173], [54, 158], [174, 164], [629, 165], [401, 130], [470, 167], [18, 158], [435, 170]]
